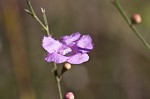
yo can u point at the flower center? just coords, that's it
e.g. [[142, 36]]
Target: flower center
[[64, 51]]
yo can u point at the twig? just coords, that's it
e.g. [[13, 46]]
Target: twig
[[127, 19]]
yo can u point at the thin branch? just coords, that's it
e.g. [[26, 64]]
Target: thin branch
[[32, 13], [46, 28], [127, 19], [45, 20]]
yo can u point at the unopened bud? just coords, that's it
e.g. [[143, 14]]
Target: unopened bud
[[66, 67], [136, 18], [69, 95]]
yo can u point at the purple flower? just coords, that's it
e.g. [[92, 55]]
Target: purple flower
[[72, 48]]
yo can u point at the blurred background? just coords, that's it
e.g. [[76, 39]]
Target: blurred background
[[119, 65]]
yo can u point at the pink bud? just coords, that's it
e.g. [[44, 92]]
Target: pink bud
[[136, 18], [69, 95]]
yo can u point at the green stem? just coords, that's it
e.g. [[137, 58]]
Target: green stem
[[45, 20], [127, 19], [57, 81], [32, 13], [46, 28]]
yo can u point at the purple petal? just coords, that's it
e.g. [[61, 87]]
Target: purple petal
[[64, 50], [56, 58], [85, 42], [78, 58], [71, 38], [50, 45]]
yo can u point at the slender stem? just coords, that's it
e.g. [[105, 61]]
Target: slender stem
[[45, 20], [127, 19], [57, 81], [46, 28], [32, 13], [146, 44]]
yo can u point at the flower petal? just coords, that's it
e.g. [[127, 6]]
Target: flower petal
[[50, 45], [64, 50], [85, 43], [78, 58], [71, 38], [56, 58]]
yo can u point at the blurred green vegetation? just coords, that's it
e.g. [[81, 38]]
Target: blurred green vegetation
[[119, 66]]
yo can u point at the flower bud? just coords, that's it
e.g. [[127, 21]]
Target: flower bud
[[69, 95], [136, 18], [66, 67]]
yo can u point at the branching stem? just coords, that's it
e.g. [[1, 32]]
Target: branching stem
[[46, 28], [127, 19]]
